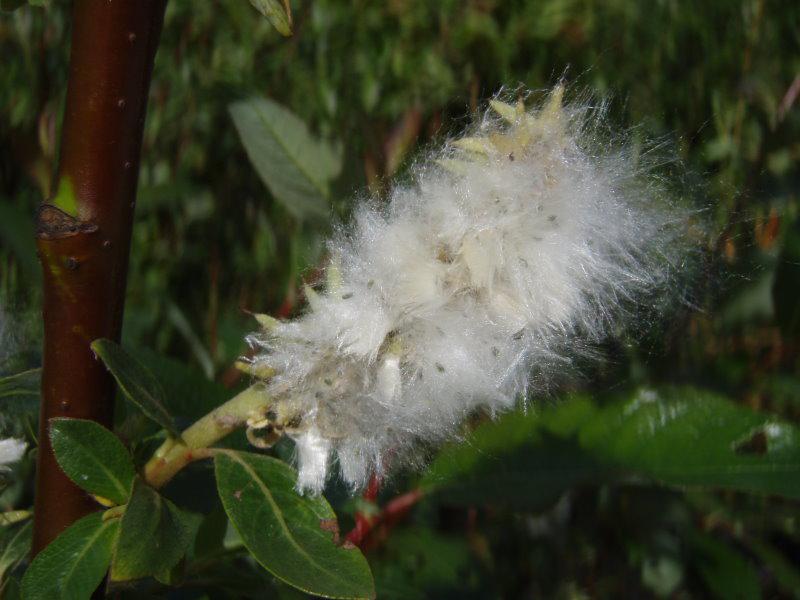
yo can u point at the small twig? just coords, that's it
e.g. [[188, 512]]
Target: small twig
[[363, 520], [174, 455], [394, 511], [789, 98], [14, 516]]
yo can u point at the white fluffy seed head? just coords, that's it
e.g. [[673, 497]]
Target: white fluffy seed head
[[11, 450], [511, 250]]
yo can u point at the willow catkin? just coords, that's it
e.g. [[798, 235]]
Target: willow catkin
[[512, 249]]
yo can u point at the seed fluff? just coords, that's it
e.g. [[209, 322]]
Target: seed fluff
[[510, 252], [11, 451]]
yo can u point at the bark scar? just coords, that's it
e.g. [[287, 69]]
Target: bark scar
[[54, 223]]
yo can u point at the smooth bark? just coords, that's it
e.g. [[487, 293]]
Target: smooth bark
[[84, 231]]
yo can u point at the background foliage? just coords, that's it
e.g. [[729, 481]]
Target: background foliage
[[375, 83]]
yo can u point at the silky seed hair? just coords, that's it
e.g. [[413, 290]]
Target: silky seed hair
[[512, 251], [11, 451]]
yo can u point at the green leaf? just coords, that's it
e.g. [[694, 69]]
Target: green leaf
[[24, 385], [295, 167], [786, 574], [74, 564], [15, 544], [531, 471], [19, 401], [153, 536], [278, 14], [679, 437], [727, 573], [210, 537], [93, 457], [294, 537], [685, 436], [11, 589], [188, 394], [136, 382]]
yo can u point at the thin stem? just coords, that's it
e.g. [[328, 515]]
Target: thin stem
[[14, 516], [115, 512], [394, 511], [174, 455]]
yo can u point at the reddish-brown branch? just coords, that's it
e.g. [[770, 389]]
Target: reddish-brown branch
[[364, 522], [367, 528], [84, 231]]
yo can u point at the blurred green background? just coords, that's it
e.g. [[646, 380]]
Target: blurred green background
[[718, 81]]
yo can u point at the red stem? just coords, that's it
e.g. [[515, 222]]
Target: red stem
[[84, 231], [394, 511]]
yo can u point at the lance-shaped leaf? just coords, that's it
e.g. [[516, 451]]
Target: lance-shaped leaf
[[93, 458], [188, 395], [74, 564], [153, 536], [785, 571], [279, 14], [515, 464], [15, 543], [678, 436], [727, 573], [295, 167], [691, 437], [21, 385], [136, 382], [19, 401], [294, 537]]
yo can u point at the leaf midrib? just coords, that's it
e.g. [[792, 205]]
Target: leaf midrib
[[154, 407], [316, 184], [153, 527], [85, 549], [111, 475], [161, 416], [4, 556], [279, 514]]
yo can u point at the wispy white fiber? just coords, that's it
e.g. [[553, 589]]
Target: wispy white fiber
[[11, 450], [511, 251]]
